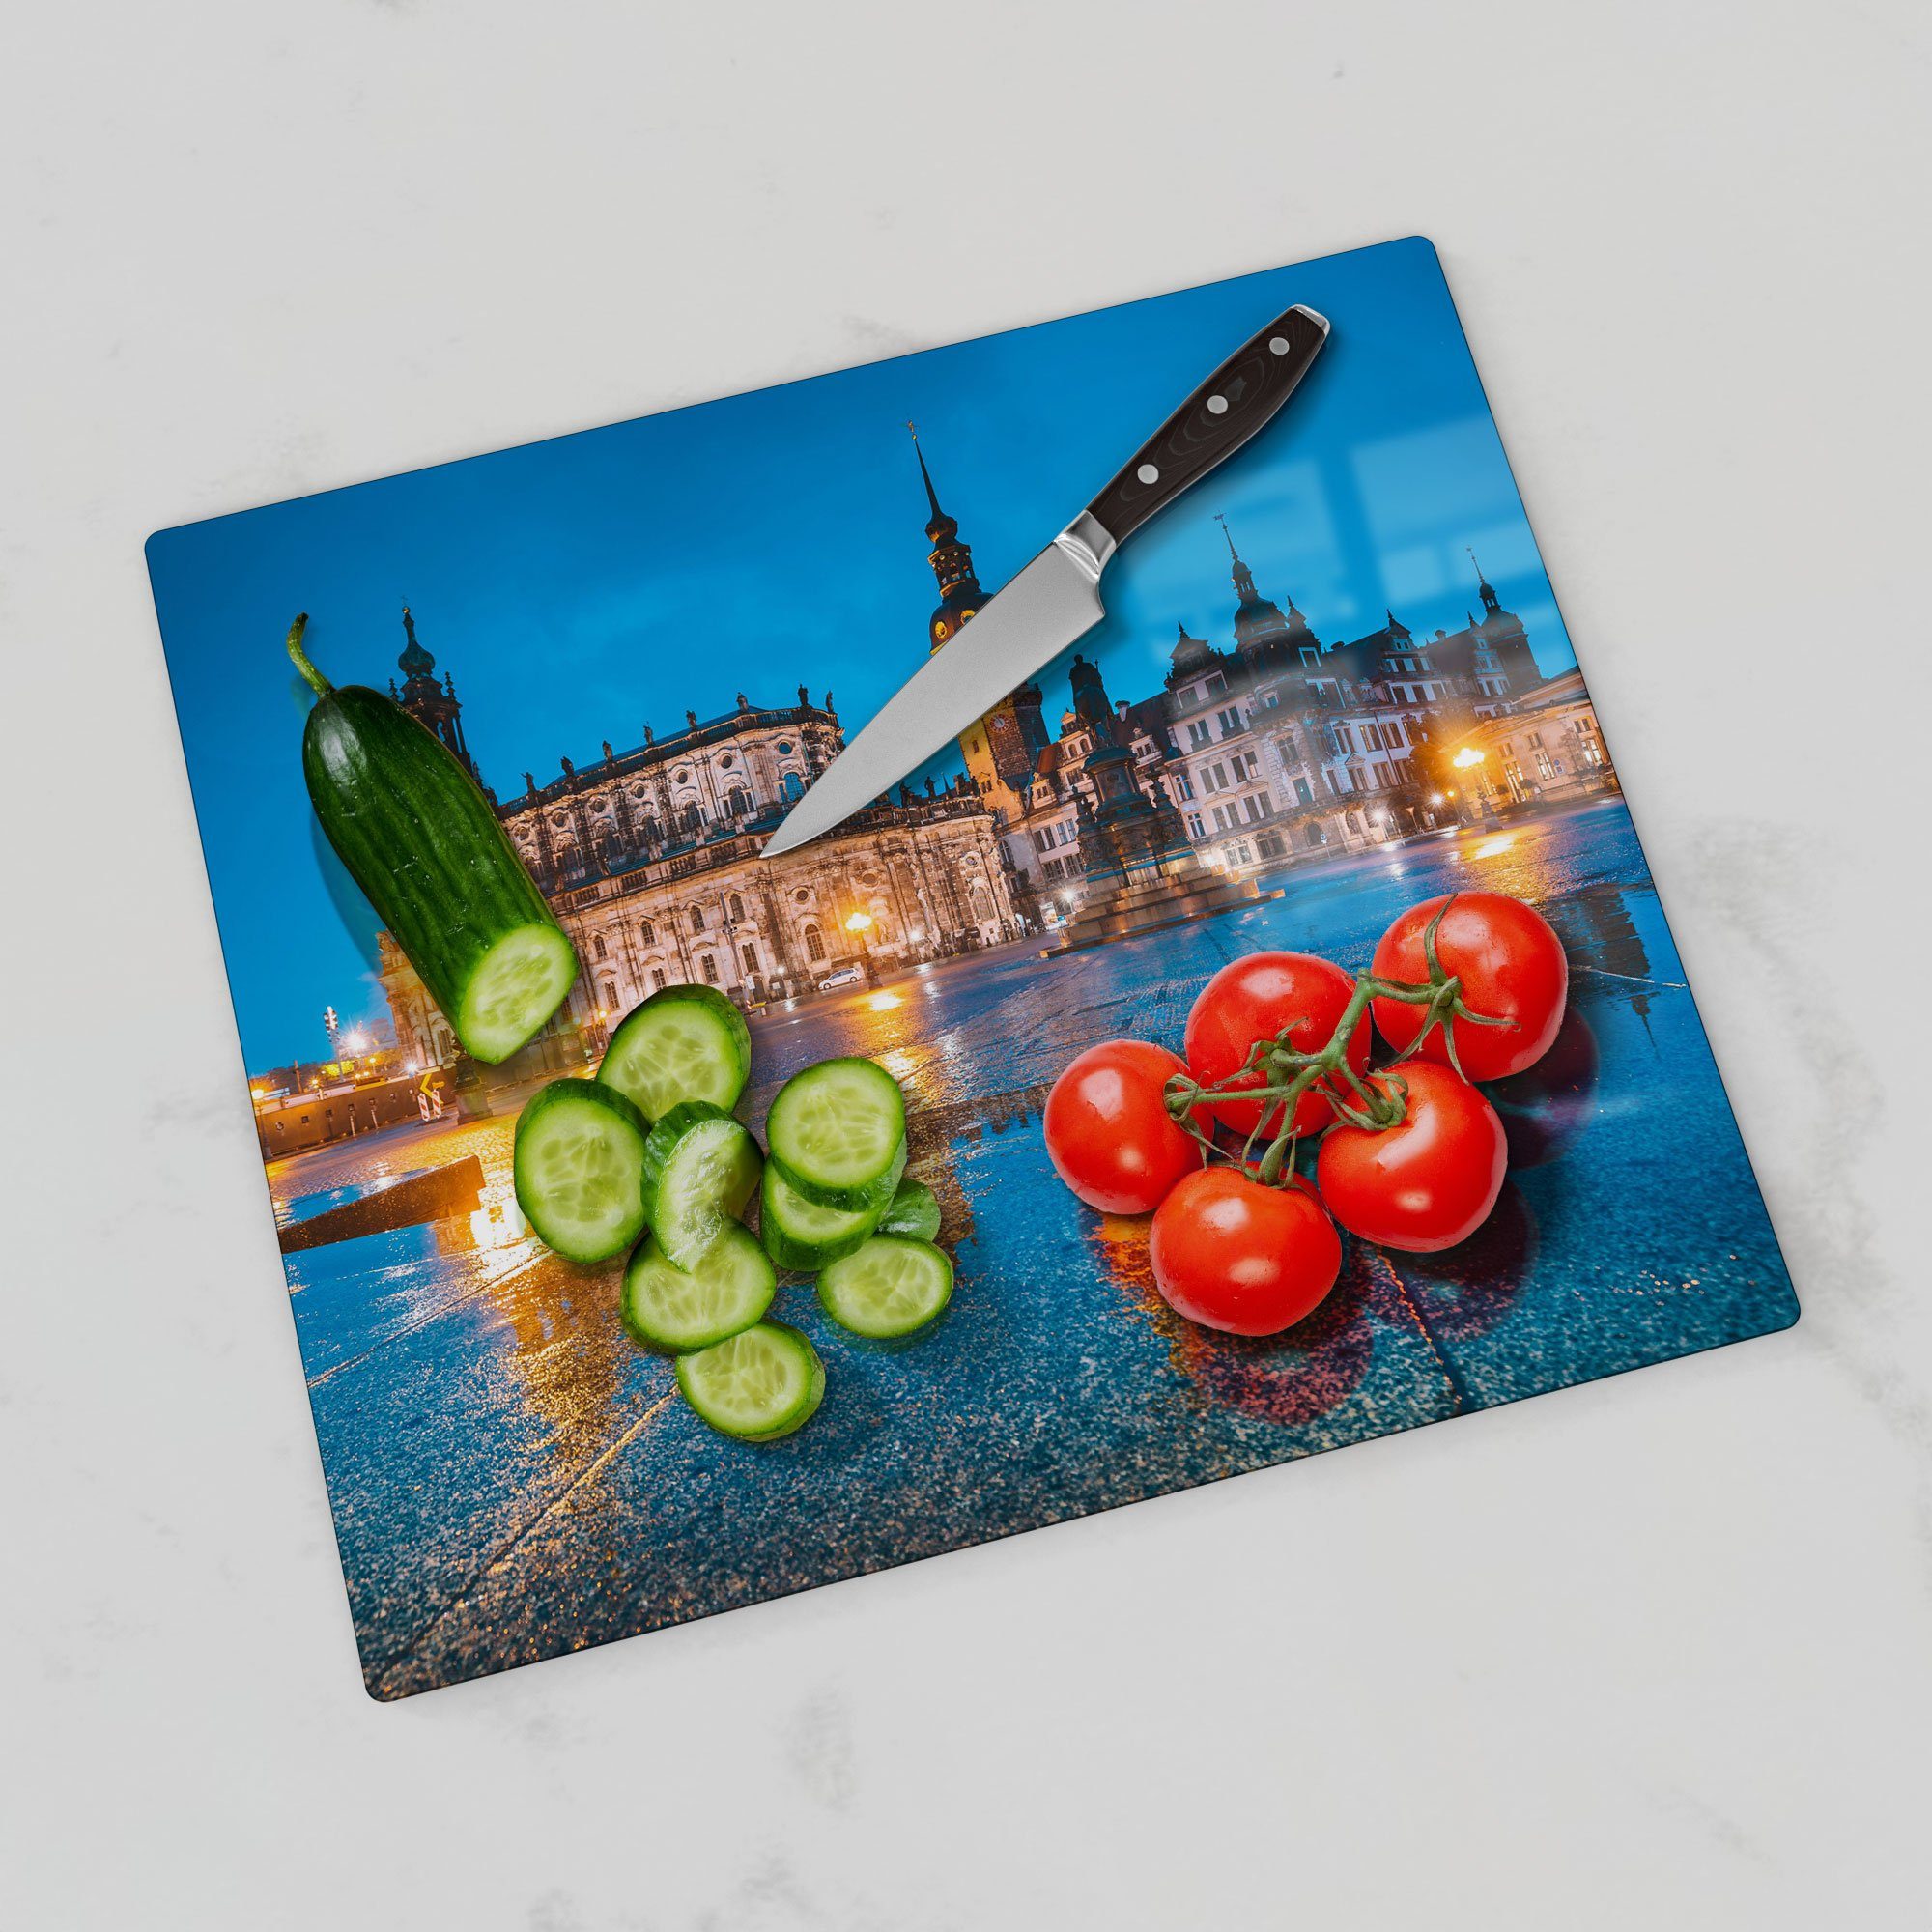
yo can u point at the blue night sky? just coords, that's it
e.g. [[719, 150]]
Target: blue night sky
[[580, 588]]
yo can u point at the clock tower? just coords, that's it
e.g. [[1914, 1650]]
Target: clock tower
[[1002, 748]]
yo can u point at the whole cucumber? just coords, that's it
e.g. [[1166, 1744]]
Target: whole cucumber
[[422, 841]]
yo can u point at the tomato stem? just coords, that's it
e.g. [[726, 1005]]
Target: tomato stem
[[1288, 1074]]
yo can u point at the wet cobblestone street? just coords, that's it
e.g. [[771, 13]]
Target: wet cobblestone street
[[511, 1477]]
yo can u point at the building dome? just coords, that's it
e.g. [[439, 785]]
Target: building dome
[[414, 661]]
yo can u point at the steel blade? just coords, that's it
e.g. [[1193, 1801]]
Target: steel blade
[[1053, 601]]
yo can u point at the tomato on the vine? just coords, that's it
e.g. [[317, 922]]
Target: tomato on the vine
[[1430, 1180], [1511, 968], [1257, 998], [1231, 1253], [1108, 1131]]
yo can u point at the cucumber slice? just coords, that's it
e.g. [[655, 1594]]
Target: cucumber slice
[[579, 1166], [515, 988], [683, 1043], [669, 1309], [837, 1133], [757, 1387], [802, 1235], [700, 1167], [891, 1286], [913, 1212]]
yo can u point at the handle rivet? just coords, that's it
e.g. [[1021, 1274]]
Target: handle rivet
[[1217, 406], [1278, 345], [1147, 474]]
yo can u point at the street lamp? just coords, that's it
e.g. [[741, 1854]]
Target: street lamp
[[861, 923]]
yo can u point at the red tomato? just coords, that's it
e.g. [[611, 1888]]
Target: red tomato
[[1426, 1184], [1108, 1131], [1234, 1254], [1255, 998], [1511, 964]]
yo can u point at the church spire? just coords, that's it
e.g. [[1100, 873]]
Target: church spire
[[1490, 606], [415, 661], [939, 516], [1244, 580], [435, 706], [960, 592]]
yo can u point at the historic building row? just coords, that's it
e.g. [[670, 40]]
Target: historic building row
[[1279, 748]]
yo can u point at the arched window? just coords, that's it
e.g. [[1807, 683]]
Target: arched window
[[597, 945], [698, 919], [646, 932], [657, 979], [689, 818], [793, 785], [708, 966], [749, 954], [737, 801], [608, 992], [815, 946], [737, 907]]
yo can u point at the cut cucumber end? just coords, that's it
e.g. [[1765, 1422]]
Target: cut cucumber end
[[700, 1168], [579, 1167], [757, 1387], [677, 1312], [889, 1288], [838, 1131], [517, 986], [682, 1043]]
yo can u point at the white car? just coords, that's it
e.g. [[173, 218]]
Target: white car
[[846, 976]]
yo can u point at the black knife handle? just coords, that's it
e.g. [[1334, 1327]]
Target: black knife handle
[[1236, 401]]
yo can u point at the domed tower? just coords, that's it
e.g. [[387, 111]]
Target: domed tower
[[1003, 747], [1263, 637], [1502, 631], [433, 705]]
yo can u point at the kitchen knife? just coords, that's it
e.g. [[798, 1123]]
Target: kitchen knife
[[1057, 597]]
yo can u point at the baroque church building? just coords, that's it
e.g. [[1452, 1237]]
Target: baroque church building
[[651, 861]]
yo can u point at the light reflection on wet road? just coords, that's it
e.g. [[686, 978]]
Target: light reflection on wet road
[[510, 1480]]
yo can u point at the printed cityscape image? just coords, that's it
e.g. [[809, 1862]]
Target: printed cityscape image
[[1310, 706]]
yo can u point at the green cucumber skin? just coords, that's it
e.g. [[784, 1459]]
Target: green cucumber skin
[[913, 1212], [539, 1103], [418, 837], [874, 1194]]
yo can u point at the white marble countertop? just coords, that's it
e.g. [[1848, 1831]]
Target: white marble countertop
[[1655, 1651]]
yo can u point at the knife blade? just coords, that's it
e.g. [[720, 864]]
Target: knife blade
[[1056, 598]]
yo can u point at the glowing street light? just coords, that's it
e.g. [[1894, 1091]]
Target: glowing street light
[[1468, 756], [862, 924]]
